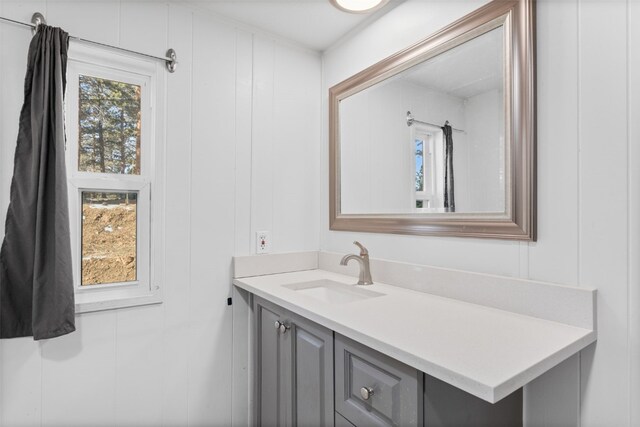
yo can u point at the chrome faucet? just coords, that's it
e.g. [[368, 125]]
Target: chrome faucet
[[363, 260]]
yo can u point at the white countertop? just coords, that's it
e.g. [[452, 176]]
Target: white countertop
[[485, 351]]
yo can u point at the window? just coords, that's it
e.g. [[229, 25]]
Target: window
[[114, 154], [426, 155]]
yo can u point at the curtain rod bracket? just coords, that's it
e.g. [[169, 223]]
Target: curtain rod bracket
[[37, 19], [172, 60]]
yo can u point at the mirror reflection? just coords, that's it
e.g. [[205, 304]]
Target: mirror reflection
[[430, 139]]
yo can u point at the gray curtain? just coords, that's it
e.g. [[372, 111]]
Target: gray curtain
[[36, 285], [449, 194]]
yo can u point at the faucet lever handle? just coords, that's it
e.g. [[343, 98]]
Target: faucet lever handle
[[363, 250]]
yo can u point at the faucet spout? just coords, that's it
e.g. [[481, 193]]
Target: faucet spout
[[363, 260]]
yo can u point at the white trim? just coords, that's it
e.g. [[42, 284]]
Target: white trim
[[433, 154], [149, 184]]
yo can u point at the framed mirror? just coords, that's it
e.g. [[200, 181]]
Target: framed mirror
[[439, 139]]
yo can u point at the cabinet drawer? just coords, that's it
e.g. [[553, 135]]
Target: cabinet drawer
[[372, 389]]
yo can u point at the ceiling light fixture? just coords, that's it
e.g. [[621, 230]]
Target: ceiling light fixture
[[358, 6]]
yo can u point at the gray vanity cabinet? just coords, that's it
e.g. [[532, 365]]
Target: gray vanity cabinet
[[294, 367], [297, 385]]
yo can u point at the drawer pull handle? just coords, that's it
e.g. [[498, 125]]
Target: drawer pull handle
[[366, 392]]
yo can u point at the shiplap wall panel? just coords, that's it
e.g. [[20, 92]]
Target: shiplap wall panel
[[554, 257], [633, 161], [79, 375], [168, 364], [296, 209], [262, 138], [94, 20], [604, 207], [139, 366], [175, 338], [139, 330], [243, 138], [588, 203], [212, 213], [241, 306]]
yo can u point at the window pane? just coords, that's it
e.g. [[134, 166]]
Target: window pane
[[109, 223], [419, 165], [109, 126]]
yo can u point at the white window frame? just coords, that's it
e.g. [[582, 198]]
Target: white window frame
[[150, 76], [429, 195]]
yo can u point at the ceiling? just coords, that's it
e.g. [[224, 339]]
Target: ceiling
[[315, 24], [467, 70]]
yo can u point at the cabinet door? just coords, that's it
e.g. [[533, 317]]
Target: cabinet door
[[271, 367], [294, 369], [312, 385]]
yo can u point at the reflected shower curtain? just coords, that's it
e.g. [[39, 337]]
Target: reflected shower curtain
[[449, 197], [36, 284]]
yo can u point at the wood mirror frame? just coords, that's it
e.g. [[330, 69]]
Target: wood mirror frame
[[518, 222]]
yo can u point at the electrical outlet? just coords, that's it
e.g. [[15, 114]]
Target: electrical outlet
[[263, 242]]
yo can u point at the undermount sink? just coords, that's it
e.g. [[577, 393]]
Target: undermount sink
[[332, 292]]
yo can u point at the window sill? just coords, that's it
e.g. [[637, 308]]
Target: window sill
[[110, 304]]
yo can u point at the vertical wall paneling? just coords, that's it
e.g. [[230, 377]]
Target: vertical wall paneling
[[554, 257], [139, 331], [80, 367], [171, 364], [603, 207], [588, 184], [633, 92], [212, 216], [72, 360], [243, 139], [262, 139], [295, 149], [95, 20], [177, 219]]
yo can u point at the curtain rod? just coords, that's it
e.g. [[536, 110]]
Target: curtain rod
[[411, 121], [170, 59]]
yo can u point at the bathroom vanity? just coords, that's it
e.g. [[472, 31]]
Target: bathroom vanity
[[325, 351], [308, 375]]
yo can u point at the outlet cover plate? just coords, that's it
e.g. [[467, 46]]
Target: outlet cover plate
[[263, 242]]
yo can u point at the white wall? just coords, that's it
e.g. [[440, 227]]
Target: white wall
[[484, 114], [377, 155], [588, 190], [243, 126]]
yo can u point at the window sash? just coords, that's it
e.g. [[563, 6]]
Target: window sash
[[149, 76]]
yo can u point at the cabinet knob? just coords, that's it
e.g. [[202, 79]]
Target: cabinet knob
[[366, 392], [281, 327]]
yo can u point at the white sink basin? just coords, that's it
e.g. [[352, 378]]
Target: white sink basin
[[333, 292]]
